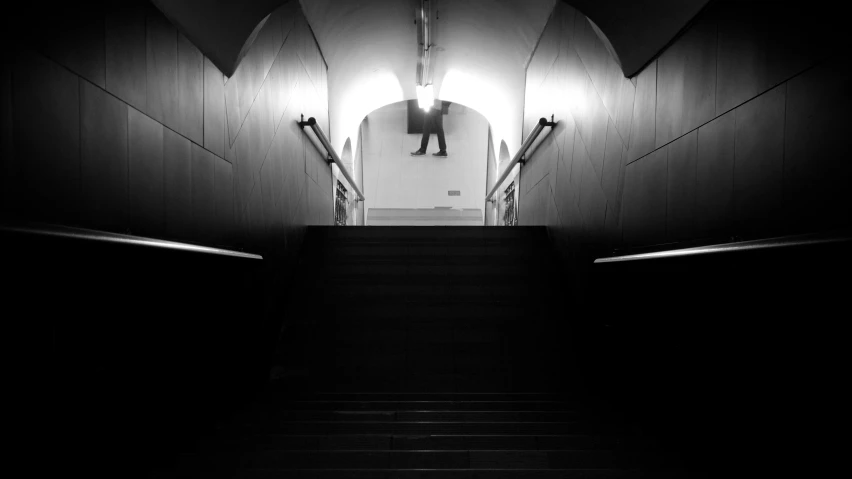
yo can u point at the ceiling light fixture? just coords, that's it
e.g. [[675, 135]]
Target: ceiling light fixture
[[425, 92]]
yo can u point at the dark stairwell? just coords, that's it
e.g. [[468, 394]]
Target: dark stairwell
[[425, 352]]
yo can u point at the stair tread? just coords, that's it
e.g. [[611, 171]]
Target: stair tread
[[378, 459], [430, 474], [417, 352], [410, 416]]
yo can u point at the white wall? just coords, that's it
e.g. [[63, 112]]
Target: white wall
[[395, 179]]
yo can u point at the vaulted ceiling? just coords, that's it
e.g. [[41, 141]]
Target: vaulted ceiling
[[481, 46]]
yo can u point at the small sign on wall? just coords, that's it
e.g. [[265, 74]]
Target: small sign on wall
[[454, 193]]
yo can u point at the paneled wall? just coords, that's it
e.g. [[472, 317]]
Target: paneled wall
[[113, 120], [735, 130]]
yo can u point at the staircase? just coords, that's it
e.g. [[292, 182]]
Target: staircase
[[422, 353]]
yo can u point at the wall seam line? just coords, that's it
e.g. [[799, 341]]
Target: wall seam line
[[776, 85]]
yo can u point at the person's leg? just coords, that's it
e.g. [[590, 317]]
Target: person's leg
[[427, 129], [439, 125]]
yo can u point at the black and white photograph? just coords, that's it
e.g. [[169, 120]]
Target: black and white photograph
[[426, 239]]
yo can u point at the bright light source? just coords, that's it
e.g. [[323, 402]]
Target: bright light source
[[425, 96]]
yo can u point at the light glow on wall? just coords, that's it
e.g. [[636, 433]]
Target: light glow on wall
[[484, 95], [365, 94]]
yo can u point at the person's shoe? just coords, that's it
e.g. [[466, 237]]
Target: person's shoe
[[418, 153], [442, 154]]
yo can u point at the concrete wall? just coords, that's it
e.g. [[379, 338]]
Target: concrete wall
[[395, 179], [734, 130], [113, 120]]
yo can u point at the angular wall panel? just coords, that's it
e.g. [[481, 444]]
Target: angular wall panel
[[267, 195], [75, 39], [613, 169], [680, 197], [103, 158], [817, 171], [203, 194], [190, 113], [46, 118], [9, 168], [761, 45], [284, 79], [624, 110], [714, 177], [645, 199], [595, 131], [126, 55], [592, 203], [149, 148], [669, 108], [545, 54], [699, 77], [162, 68], [177, 179], [224, 208], [214, 109], [145, 175], [694, 175], [643, 132], [612, 90], [759, 164]]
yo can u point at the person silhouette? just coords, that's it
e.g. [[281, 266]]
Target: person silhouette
[[433, 118]]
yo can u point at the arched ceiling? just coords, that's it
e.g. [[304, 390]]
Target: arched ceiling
[[480, 51], [481, 47]]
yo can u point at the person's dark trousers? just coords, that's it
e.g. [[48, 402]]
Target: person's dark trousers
[[433, 117]]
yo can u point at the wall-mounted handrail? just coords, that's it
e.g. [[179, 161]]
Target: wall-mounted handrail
[[312, 122], [741, 246], [67, 232], [517, 158]]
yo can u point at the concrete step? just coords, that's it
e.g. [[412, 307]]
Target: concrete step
[[409, 416], [477, 459], [407, 442], [416, 474], [464, 241], [460, 275], [441, 255], [451, 233], [411, 428], [444, 291], [427, 269], [421, 396], [454, 406], [461, 311]]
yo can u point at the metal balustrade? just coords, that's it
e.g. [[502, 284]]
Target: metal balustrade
[[332, 155]]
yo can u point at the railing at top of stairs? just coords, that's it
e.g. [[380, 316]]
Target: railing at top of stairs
[[519, 156], [332, 155]]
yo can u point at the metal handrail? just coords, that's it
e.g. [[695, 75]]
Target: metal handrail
[[741, 246], [542, 122], [312, 122], [67, 232]]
